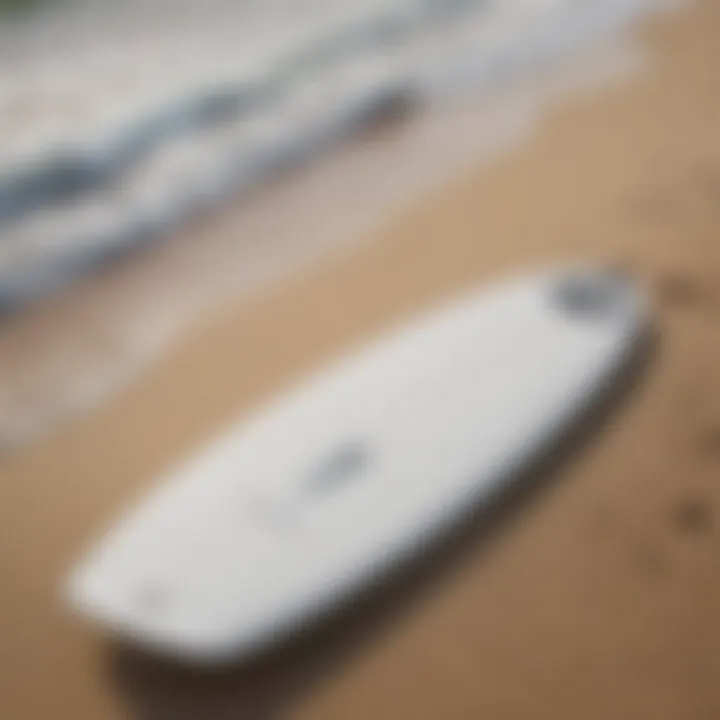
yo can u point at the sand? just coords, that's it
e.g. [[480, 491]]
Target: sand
[[597, 598]]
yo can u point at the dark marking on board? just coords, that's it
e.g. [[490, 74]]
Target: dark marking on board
[[343, 464]]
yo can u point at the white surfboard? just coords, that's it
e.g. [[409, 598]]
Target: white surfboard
[[298, 508]]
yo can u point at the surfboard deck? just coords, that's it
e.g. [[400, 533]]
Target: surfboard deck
[[295, 510]]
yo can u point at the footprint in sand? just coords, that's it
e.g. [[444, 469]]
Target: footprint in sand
[[681, 290], [646, 559], [693, 516], [702, 424], [706, 181], [651, 562], [709, 441], [658, 206]]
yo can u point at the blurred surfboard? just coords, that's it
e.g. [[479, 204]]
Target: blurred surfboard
[[292, 512]]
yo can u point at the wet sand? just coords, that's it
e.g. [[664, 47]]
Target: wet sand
[[596, 598]]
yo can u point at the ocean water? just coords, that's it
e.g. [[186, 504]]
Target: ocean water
[[136, 119], [128, 122]]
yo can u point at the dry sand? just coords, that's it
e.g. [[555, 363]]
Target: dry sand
[[597, 599]]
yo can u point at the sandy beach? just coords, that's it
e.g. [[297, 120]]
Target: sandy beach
[[595, 599]]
